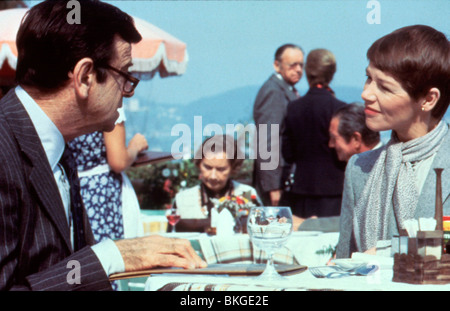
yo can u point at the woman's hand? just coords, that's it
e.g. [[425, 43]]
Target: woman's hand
[[137, 144], [119, 156]]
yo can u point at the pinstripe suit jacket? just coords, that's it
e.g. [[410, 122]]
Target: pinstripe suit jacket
[[356, 175], [35, 247]]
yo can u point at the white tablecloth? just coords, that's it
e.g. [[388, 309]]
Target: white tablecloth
[[381, 280]]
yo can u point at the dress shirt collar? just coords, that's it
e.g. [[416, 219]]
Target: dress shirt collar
[[51, 138], [379, 145], [290, 87]]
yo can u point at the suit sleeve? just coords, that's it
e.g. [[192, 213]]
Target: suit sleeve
[[9, 217], [346, 243], [270, 114], [80, 271]]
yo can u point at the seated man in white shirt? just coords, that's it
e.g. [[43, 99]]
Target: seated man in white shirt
[[72, 79]]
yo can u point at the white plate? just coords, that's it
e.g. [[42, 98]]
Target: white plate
[[347, 263], [305, 233]]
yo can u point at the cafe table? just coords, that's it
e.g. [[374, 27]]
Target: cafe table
[[302, 247], [307, 248], [379, 280]]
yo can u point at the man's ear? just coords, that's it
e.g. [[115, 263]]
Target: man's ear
[[276, 66], [83, 76], [356, 140]]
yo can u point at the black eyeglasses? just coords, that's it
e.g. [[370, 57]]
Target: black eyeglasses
[[130, 81]]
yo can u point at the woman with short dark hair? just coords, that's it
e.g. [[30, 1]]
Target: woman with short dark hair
[[407, 91]]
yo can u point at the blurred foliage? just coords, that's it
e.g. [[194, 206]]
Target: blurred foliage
[[156, 185], [11, 4]]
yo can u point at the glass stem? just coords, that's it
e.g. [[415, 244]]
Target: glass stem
[[270, 269], [269, 260]]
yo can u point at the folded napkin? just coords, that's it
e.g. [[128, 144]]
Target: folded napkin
[[310, 249], [383, 262], [225, 223], [238, 249]]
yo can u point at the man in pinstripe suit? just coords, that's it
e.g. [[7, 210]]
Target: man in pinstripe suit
[[72, 78]]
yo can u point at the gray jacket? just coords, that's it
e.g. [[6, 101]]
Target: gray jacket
[[356, 175], [270, 108]]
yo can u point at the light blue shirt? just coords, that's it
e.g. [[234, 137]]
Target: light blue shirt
[[54, 144]]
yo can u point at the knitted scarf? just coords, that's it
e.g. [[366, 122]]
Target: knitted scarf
[[392, 186]]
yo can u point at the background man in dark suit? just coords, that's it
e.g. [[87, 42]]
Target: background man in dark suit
[[319, 175], [349, 135], [72, 78], [270, 109]]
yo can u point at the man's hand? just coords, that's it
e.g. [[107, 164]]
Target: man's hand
[[157, 251], [371, 251], [296, 222], [275, 196]]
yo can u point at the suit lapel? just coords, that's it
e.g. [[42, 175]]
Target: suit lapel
[[285, 87], [427, 199], [41, 177]]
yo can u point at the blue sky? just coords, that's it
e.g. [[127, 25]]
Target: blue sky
[[231, 43]]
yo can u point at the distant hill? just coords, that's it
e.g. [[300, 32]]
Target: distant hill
[[156, 120], [236, 106], [230, 107]]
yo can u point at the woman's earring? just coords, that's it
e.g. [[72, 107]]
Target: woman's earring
[[423, 108]]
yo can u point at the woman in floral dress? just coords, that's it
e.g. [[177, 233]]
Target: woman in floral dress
[[108, 197]]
